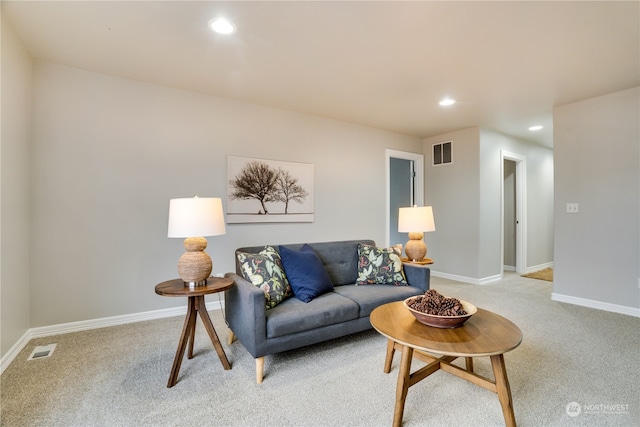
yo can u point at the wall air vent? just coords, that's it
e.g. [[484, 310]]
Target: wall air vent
[[442, 153]]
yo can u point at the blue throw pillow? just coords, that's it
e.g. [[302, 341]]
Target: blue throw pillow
[[306, 273]]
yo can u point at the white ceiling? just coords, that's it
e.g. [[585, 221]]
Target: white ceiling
[[379, 64]]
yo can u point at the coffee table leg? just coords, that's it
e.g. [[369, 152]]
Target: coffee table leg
[[403, 384], [201, 307], [389, 359], [469, 363], [503, 389], [189, 323]]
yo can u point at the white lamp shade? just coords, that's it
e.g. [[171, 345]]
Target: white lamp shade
[[196, 217], [416, 219]]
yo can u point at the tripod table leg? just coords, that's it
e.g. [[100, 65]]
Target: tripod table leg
[[187, 328], [202, 309]]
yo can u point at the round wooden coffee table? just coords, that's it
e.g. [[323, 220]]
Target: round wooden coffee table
[[484, 334], [196, 305]]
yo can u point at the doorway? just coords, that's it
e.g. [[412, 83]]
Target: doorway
[[510, 219], [402, 175], [405, 184], [514, 212]]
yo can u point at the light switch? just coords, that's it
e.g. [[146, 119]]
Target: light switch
[[572, 208]]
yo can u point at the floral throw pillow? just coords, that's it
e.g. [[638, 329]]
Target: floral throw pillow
[[265, 271], [379, 266]]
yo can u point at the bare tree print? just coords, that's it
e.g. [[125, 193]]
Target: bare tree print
[[289, 189], [255, 181]]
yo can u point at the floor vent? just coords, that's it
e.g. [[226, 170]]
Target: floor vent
[[42, 351]]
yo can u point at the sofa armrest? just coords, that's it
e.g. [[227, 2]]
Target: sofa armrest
[[418, 275], [244, 306]]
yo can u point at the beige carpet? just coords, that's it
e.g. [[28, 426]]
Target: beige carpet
[[546, 274], [570, 357]]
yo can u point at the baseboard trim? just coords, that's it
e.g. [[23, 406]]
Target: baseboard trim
[[14, 351], [527, 270], [471, 280], [84, 325], [614, 308], [538, 267]]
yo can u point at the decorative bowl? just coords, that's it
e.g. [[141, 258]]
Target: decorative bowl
[[441, 321]]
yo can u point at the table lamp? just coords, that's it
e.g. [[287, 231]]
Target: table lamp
[[194, 218], [416, 220]]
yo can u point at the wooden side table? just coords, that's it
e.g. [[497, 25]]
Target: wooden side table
[[484, 334], [177, 288]]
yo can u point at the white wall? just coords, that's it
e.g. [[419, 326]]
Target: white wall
[[597, 164], [466, 198], [109, 153], [453, 190], [14, 192]]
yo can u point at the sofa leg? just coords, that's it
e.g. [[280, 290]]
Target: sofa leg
[[231, 338], [259, 369]]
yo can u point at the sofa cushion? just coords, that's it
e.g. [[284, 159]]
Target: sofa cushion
[[370, 297], [265, 271], [293, 315], [340, 259], [305, 272], [379, 266]]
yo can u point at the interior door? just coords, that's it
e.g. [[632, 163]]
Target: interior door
[[519, 218], [408, 189], [510, 220], [401, 182]]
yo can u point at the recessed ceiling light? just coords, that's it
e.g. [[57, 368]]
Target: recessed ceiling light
[[222, 26], [447, 101], [535, 128]]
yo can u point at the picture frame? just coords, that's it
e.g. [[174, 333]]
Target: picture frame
[[271, 191]]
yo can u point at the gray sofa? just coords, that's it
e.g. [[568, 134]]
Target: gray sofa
[[293, 323]]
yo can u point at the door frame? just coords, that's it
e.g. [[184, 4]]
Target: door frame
[[418, 182], [521, 209]]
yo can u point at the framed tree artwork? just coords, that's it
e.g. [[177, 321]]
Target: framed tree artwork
[[269, 191]]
